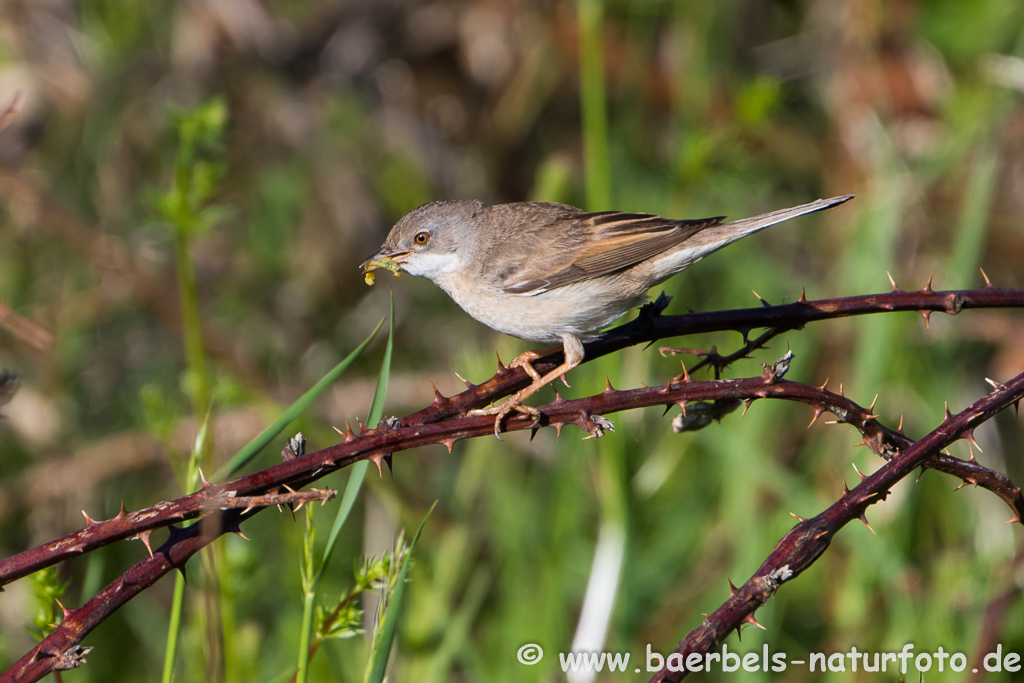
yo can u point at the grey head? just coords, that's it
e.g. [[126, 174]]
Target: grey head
[[431, 240]]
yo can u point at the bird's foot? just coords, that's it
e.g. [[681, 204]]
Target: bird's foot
[[502, 410], [525, 361]]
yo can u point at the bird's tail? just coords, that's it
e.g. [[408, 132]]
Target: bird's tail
[[727, 233]]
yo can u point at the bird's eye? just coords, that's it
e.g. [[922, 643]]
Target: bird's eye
[[422, 238]]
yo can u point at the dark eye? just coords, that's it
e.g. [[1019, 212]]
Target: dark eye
[[422, 238]]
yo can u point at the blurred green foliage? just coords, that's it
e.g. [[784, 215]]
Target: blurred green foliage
[[336, 118]]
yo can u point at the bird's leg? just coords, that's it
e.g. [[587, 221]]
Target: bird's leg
[[525, 361], [573, 356]]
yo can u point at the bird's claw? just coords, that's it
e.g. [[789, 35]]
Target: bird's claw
[[501, 411], [525, 361]]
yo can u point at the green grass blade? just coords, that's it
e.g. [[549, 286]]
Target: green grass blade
[[385, 636], [355, 479], [294, 410]]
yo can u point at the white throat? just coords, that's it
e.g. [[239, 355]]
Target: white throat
[[431, 266]]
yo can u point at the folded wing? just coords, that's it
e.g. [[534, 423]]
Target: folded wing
[[606, 242]]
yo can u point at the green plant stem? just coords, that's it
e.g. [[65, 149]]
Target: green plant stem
[[195, 356], [304, 635], [593, 104], [173, 629]]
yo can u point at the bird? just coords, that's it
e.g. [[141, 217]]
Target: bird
[[552, 273]]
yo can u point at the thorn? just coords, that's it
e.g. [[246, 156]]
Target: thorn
[[846, 489], [349, 435], [747, 404], [761, 299], [202, 479], [872, 406], [668, 407], [448, 443], [122, 513], [899, 429], [362, 428], [864, 519], [1013, 520], [948, 414], [642, 384], [238, 532], [66, 611], [802, 519], [892, 282], [144, 537], [732, 589], [558, 429], [501, 366], [438, 396], [825, 384], [928, 287], [533, 434], [859, 473], [388, 460], [988, 283], [89, 521], [608, 388], [818, 410], [469, 385], [803, 297], [969, 435], [996, 386], [841, 390], [377, 459], [927, 315], [749, 619], [686, 374], [682, 406]]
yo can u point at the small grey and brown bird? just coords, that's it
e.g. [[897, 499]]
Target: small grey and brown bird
[[550, 272]]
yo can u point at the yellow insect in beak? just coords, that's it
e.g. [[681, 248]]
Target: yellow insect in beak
[[380, 263]]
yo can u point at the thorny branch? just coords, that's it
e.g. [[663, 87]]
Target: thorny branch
[[805, 542], [650, 326], [793, 554], [444, 422]]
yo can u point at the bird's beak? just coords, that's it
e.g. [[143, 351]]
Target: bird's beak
[[385, 259]]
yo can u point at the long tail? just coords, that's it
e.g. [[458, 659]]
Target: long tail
[[727, 233]]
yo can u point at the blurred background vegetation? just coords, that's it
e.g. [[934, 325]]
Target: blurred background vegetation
[[338, 117]]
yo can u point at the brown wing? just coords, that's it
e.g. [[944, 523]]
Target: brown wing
[[606, 242]]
